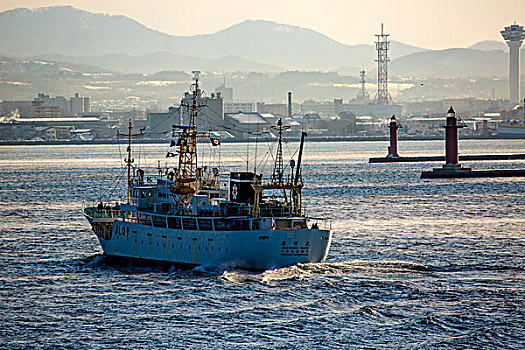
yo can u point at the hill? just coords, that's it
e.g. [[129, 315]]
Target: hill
[[489, 45], [64, 30], [456, 62], [162, 61], [118, 43]]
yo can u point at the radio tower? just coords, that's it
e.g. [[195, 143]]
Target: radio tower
[[382, 45]]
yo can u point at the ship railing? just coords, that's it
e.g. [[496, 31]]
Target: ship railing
[[95, 212], [321, 223]]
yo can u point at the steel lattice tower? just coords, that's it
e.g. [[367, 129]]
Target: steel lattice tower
[[362, 94], [382, 47]]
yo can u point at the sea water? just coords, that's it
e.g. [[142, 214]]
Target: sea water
[[414, 264]]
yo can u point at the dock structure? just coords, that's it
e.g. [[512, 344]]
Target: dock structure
[[452, 156], [473, 173], [474, 157], [452, 168]]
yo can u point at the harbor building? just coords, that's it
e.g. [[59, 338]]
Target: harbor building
[[40, 110], [227, 93], [248, 125], [211, 114], [240, 107], [80, 105], [273, 108], [15, 108], [159, 123], [59, 101]]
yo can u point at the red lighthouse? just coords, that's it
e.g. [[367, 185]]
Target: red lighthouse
[[392, 149], [452, 139]]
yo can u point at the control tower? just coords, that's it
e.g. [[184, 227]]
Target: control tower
[[514, 36]]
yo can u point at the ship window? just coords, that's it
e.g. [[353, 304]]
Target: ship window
[[144, 219], [189, 223], [232, 225], [174, 223], [159, 221], [205, 224]]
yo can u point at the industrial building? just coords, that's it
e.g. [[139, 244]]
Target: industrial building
[[211, 114], [161, 123]]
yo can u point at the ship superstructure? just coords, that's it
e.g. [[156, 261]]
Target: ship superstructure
[[186, 217]]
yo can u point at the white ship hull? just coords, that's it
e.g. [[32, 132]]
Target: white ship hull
[[254, 249]]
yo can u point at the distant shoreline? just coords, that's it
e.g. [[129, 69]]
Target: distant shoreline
[[293, 139]]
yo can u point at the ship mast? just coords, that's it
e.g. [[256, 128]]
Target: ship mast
[[278, 168], [277, 180], [129, 161], [188, 138], [186, 177]]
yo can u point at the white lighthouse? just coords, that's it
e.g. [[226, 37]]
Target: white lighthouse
[[514, 36]]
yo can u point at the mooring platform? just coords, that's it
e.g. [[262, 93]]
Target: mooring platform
[[441, 173], [475, 157]]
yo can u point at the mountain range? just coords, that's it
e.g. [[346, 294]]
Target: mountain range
[[118, 43]]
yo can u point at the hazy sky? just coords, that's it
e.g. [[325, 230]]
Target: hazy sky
[[434, 24]]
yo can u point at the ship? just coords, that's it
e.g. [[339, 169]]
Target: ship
[[187, 218]]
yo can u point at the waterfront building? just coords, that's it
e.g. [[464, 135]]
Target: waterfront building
[[40, 110], [15, 108], [247, 125], [58, 101], [227, 93], [211, 114], [273, 108], [240, 107], [80, 105], [161, 123]]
